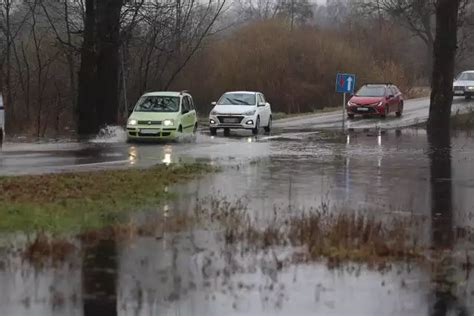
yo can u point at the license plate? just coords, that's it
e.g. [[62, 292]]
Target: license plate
[[362, 109], [231, 120], [150, 131]]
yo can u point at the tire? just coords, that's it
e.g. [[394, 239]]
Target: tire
[[213, 131], [257, 127], [226, 132], [400, 110], [180, 129], [195, 128], [268, 128], [350, 116]]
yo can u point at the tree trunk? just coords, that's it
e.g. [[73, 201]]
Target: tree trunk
[[99, 73], [444, 54], [86, 104], [108, 60]]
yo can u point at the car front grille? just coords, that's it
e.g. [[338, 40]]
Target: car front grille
[[149, 122], [458, 88], [236, 119]]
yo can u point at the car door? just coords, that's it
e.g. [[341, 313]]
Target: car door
[[185, 114], [192, 112], [262, 110], [267, 109], [393, 101]]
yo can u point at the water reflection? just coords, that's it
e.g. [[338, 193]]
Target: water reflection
[[167, 158], [99, 278], [443, 273]]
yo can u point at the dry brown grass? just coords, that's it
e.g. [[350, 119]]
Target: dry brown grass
[[44, 249], [295, 69]]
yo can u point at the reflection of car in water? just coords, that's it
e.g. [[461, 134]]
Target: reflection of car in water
[[241, 110], [464, 84], [162, 115], [376, 99]]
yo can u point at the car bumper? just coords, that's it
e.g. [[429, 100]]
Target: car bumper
[[366, 110], [239, 121], [142, 133], [463, 92]]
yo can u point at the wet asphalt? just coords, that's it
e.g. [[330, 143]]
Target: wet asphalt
[[299, 167]]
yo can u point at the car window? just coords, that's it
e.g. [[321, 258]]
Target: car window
[[157, 104], [191, 103], [393, 91], [467, 76], [371, 91], [263, 98], [234, 98], [186, 106]]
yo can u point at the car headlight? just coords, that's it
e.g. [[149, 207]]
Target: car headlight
[[350, 103], [470, 88], [168, 122], [380, 103], [250, 112], [132, 122]]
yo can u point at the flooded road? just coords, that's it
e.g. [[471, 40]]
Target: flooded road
[[395, 174]]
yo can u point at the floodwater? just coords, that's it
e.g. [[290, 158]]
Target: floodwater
[[193, 272]]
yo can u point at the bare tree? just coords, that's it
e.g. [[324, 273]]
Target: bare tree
[[445, 47], [100, 63]]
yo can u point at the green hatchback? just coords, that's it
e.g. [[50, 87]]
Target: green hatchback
[[162, 115]]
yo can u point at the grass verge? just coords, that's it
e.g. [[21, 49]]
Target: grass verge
[[70, 202]]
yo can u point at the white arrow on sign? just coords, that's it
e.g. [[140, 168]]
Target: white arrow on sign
[[349, 83]]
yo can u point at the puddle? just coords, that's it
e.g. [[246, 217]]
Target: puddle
[[193, 272]]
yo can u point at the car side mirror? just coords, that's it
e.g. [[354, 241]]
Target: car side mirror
[[214, 103], [267, 104], [261, 104]]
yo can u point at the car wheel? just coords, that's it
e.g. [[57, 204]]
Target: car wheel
[[213, 131], [180, 129], [226, 131], [350, 116], [195, 128], [257, 127], [400, 110], [268, 129]]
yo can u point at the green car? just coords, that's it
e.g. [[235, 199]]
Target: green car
[[162, 115]]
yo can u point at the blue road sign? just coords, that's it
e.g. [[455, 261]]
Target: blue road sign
[[345, 83]]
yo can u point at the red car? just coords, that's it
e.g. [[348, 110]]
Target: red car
[[376, 99]]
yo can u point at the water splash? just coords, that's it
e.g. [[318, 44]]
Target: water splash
[[111, 134]]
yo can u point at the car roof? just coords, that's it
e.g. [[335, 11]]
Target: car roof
[[468, 71], [243, 92], [166, 93], [380, 84]]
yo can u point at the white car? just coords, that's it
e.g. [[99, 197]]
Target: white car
[[464, 84], [241, 110]]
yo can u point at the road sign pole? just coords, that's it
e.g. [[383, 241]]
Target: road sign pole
[[343, 111]]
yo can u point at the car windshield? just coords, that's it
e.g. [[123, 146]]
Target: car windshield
[[467, 76], [368, 91], [157, 104], [237, 99]]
